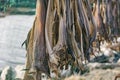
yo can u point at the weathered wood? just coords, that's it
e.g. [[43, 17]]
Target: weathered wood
[[99, 21], [53, 59], [63, 33], [77, 52], [40, 61], [37, 59], [29, 56]]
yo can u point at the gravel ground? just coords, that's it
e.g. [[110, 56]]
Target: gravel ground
[[13, 31]]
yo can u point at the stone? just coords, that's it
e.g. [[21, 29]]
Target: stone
[[19, 69], [66, 72], [118, 61], [118, 39], [7, 73], [108, 52]]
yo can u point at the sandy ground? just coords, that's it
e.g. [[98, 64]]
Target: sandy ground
[[13, 31]]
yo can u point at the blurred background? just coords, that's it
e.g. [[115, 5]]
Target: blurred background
[[16, 19]]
